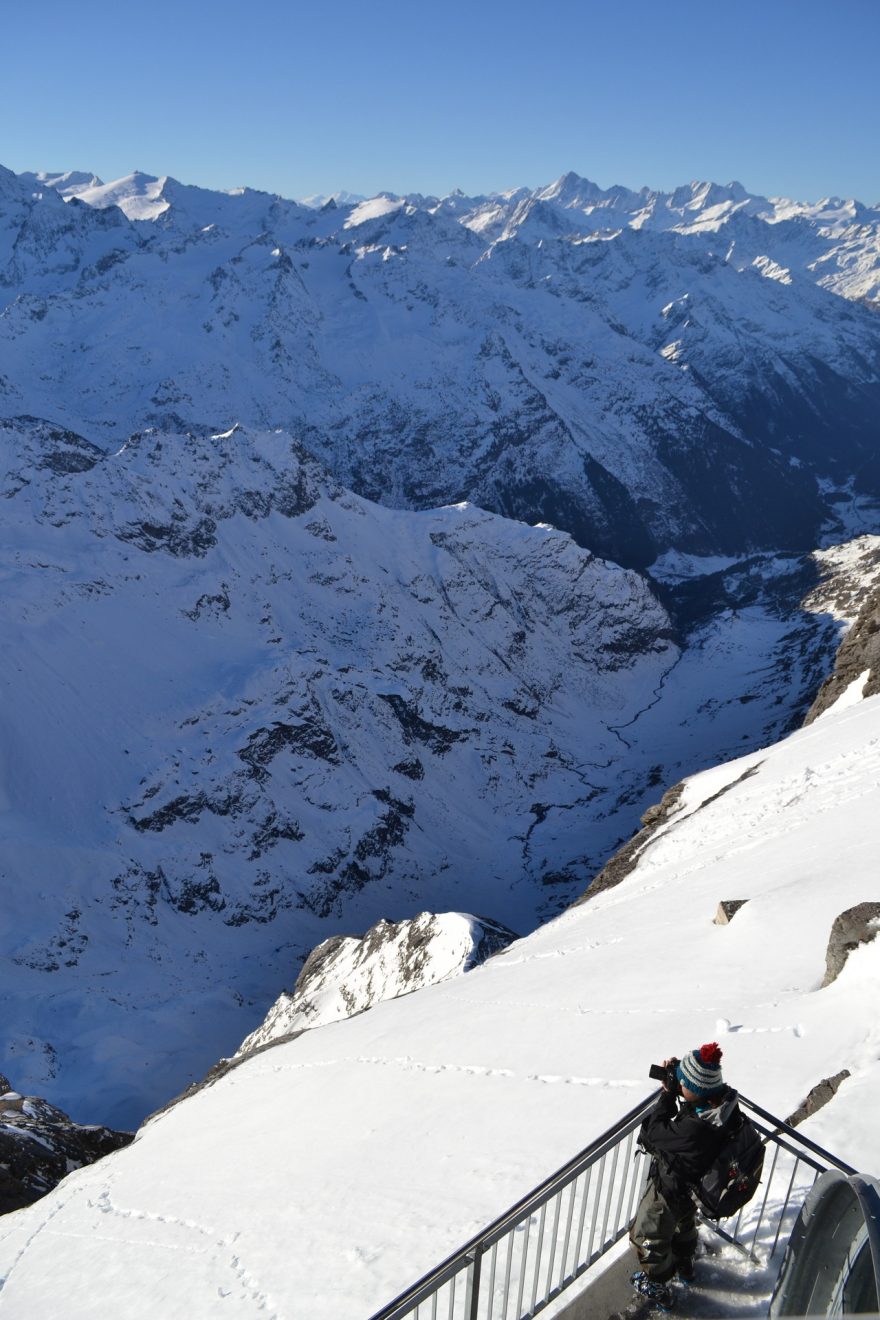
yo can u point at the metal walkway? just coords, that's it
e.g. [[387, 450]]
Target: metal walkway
[[525, 1259]]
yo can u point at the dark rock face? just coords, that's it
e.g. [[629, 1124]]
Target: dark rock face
[[727, 910], [179, 537], [416, 729], [311, 736], [68, 453], [858, 925], [859, 653], [40, 1145], [624, 861]]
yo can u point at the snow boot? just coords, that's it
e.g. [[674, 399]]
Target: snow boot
[[658, 1294]]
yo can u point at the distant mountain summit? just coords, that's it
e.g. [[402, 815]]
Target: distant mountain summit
[[341, 198]]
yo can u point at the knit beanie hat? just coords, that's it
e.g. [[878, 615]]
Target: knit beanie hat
[[700, 1070]]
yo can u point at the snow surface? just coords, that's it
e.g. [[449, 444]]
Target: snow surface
[[322, 1176]]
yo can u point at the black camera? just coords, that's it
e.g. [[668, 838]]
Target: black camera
[[666, 1075]]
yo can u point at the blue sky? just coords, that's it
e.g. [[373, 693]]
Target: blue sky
[[303, 98]]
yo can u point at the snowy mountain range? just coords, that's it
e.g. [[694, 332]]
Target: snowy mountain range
[[324, 571], [698, 370], [372, 563]]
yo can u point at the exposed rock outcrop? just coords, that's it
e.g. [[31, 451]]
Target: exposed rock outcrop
[[859, 654], [40, 1145], [727, 910], [625, 859], [858, 925], [818, 1096], [347, 974]]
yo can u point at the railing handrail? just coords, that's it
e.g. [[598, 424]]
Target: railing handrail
[[780, 1126], [525, 1206], [540, 1195]]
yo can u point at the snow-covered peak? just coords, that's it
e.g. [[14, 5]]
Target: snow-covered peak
[[340, 198], [571, 190], [374, 209], [69, 183], [349, 974], [139, 196]]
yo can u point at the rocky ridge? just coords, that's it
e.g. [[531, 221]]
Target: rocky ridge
[[40, 1145], [349, 974], [857, 665]]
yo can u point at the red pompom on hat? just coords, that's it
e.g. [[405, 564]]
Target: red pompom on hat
[[700, 1070]]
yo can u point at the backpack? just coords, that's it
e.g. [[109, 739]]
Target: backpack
[[732, 1178]]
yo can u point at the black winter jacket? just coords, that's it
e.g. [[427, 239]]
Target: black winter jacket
[[683, 1143]]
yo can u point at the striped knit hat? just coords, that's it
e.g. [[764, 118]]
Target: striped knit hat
[[700, 1070]]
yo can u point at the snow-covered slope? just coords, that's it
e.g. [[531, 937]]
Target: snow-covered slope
[[347, 974], [324, 1174], [245, 710], [645, 386]]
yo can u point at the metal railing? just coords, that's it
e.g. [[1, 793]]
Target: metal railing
[[764, 1225], [523, 1261]]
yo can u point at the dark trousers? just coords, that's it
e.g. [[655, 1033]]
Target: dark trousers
[[663, 1235]]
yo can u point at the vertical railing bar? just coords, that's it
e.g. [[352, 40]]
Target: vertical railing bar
[[596, 1205], [637, 1178], [568, 1225], [784, 1208], [623, 1181], [538, 1254], [554, 1233], [491, 1294], [581, 1219], [766, 1194], [522, 1273], [507, 1274], [472, 1295], [618, 1198], [609, 1198], [734, 1232]]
